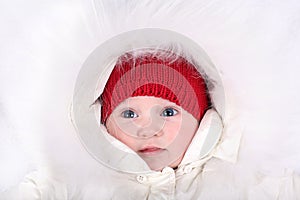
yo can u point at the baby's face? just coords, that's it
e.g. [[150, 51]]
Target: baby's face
[[158, 130]]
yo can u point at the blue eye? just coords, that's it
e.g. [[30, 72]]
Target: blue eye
[[169, 112], [129, 114]]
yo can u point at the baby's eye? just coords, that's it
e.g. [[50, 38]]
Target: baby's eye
[[169, 112], [129, 114]]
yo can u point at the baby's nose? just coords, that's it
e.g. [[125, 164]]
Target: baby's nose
[[152, 126]]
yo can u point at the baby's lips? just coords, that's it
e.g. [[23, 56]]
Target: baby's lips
[[150, 151]]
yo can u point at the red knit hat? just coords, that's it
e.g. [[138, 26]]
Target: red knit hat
[[156, 73]]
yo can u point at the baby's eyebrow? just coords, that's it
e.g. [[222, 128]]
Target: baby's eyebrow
[[124, 108], [172, 105]]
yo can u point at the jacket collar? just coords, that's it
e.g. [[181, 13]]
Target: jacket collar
[[214, 140]]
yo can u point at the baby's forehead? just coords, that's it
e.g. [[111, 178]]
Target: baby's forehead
[[146, 101]]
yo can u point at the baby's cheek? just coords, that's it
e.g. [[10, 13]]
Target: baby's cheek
[[129, 141], [111, 130], [171, 131]]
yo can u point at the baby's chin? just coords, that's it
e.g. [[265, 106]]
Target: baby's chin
[[159, 163]]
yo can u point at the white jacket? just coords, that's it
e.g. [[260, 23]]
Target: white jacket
[[209, 169], [215, 176]]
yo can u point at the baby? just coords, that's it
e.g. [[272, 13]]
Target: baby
[[153, 102]]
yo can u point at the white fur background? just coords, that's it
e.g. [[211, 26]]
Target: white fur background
[[254, 43]]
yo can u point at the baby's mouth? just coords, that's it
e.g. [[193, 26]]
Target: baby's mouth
[[151, 150]]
